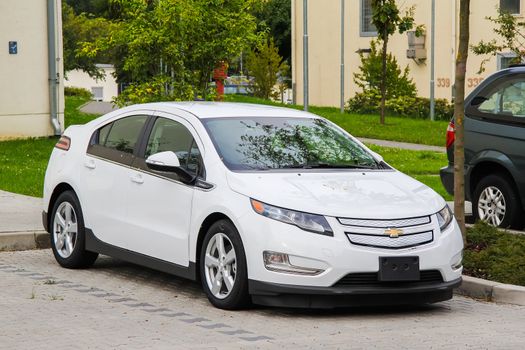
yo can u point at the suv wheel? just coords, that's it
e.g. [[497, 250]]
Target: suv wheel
[[496, 202], [67, 233], [223, 267]]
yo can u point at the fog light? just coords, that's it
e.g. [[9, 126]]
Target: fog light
[[279, 262], [456, 261]]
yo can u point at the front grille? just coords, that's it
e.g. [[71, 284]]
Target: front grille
[[375, 232], [383, 241], [376, 223], [371, 279]]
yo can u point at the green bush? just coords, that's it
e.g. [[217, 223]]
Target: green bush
[[368, 102], [76, 91], [495, 255]]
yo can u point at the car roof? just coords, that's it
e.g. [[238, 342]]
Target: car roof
[[203, 110]]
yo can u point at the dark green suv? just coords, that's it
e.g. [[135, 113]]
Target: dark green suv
[[494, 149]]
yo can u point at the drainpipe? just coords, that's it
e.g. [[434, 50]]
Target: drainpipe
[[52, 67]]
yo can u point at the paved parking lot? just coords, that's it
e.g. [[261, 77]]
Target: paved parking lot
[[118, 305]]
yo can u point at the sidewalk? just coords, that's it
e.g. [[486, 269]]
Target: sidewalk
[[21, 222], [403, 145]]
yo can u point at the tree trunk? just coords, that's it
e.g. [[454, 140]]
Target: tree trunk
[[459, 113], [383, 77]]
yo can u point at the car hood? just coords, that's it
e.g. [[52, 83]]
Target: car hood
[[355, 194]]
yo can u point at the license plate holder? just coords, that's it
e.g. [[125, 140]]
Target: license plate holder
[[399, 268]]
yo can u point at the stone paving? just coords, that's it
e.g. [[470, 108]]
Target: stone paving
[[118, 305]]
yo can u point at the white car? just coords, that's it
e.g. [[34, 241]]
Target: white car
[[264, 204]]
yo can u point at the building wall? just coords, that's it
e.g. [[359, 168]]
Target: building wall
[[324, 26], [78, 78], [24, 77]]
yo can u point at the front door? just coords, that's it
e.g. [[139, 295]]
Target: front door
[[159, 203]]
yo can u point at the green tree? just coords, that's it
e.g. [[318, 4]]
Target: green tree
[[397, 82], [169, 48], [95, 8], [265, 65], [387, 20], [78, 29], [509, 30], [275, 16]]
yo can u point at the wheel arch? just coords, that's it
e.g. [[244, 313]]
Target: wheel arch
[[487, 167], [57, 191], [206, 224]]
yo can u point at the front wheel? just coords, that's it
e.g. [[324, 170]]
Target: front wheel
[[223, 267], [496, 202], [67, 233]]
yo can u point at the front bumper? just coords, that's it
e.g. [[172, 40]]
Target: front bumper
[[337, 257], [281, 295]]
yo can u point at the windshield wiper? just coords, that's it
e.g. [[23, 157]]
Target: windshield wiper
[[328, 166]]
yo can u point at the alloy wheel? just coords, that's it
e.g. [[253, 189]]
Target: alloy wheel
[[220, 265], [492, 206], [65, 229]]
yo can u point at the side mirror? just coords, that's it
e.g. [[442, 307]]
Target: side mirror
[[168, 162]]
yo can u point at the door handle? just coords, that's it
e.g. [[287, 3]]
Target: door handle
[[90, 164], [137, 178]]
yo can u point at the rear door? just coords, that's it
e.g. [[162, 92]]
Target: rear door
[[496, 122], [105, 176]]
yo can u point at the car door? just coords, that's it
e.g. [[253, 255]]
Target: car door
[[159, 206], [105, 175], [496, 122]]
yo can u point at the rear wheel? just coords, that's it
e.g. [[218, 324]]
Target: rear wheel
[[223, 267], [67, 233], [496, 202]]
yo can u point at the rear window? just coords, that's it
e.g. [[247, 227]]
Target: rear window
[[122, 134]]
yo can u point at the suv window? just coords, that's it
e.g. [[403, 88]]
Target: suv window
[[508, 100], [169, 135], [122, 134]]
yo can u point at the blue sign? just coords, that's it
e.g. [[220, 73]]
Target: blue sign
[[13, 47]]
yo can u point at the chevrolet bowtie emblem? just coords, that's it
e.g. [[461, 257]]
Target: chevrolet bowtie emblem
[[393, 232]]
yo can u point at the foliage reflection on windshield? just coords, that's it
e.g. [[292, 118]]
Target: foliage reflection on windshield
[[279, 143]]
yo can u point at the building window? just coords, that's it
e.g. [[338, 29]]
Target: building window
[[506, 59], [367, 27], [510, 6]]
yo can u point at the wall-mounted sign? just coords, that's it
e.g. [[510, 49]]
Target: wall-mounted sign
[[13, 47]]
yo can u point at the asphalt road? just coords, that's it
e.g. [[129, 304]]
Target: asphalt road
[[117, 305]]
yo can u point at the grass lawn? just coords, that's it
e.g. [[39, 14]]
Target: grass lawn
[[396, 128], [495, 255], [422, 165], [23, 163]]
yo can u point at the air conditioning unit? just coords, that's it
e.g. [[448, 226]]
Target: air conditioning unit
[[416, 46]]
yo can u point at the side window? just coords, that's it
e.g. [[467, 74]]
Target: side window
[[123, 134], [508, 99], [169, 135]]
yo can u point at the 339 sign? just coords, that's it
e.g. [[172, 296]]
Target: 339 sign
[[447, 82]]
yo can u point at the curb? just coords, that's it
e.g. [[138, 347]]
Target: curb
[[12, 241], [492, 291]]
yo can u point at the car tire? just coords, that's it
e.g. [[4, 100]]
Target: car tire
[[496, 202], [225, 281], [68, 238]]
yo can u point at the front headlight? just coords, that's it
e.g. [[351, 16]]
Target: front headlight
[[308, 222], [444, 217]]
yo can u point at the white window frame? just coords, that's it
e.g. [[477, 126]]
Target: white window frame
[[362, 32], [501, 55], [519, 8]]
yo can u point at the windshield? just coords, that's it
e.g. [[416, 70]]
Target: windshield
[[261, 143]]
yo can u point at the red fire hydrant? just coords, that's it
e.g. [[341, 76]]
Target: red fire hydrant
[[219, 75]]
